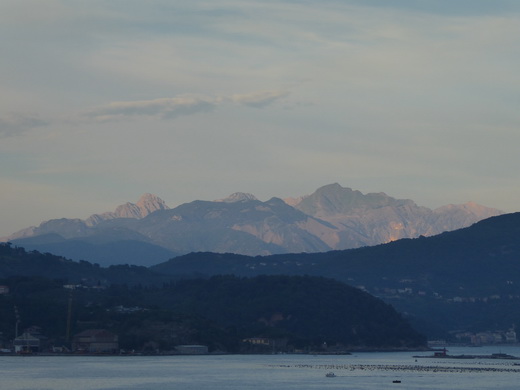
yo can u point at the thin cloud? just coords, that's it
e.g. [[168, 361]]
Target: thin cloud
[[15, 124], [170, 108], [259, 99], [166, 108]]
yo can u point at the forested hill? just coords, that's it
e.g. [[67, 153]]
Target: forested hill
[[310, 309], [299, 313]]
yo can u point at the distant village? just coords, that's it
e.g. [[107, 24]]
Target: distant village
[[491, 337], [407, 288], [87, 342]]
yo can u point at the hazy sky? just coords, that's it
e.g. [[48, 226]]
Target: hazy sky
[[102, 101]]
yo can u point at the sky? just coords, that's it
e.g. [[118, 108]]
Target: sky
[[102, 101]]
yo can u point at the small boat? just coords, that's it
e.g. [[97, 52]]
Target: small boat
[[330, 375], [396, 381]]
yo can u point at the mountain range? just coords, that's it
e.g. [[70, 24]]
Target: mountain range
[[451, 285], [332, 218]]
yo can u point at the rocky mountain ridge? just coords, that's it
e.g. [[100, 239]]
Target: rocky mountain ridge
[[147, 204], [332, 218], [374, 218]]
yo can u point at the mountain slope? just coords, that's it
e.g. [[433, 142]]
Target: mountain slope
[[245, 227]]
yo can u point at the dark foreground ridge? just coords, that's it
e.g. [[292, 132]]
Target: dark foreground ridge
[[263, 314]]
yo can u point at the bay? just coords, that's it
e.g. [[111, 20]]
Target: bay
[[369, 370]]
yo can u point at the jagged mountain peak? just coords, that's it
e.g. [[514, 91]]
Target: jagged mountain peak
[[329, 190], [238, 197], [333, 199], [149, 203]]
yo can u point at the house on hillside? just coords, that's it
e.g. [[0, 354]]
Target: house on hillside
[[510, 336], [258, 341], [95, 341], [263, 344]]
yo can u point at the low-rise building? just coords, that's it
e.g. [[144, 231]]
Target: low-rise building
[[510, 336], [264, 344], [192, 349], [95, 341], [257, 341], [26, 343]]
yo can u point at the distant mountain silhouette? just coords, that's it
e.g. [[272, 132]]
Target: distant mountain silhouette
[[98, 249], [331, 218]]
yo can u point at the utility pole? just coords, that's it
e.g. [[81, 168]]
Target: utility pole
[[17, 321], [69, 317]]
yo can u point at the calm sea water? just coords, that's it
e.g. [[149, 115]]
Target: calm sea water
[[357, 371]]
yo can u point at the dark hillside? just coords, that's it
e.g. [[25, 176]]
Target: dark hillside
[[465, 279], [298, 312], [312, 309]]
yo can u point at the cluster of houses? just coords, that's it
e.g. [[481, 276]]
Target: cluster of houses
[[487, 338], [406, 289], [101, 341], [90, 341]]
